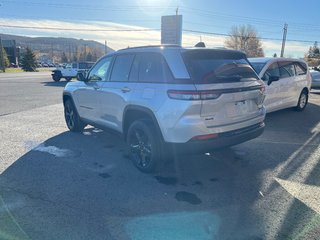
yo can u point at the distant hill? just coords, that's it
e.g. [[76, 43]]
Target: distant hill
[[48, 48]]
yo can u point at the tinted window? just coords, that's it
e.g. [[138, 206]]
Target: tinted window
[[121, 68], [286, 69], [257, 66], [218, 67], [300, 70], [100, 71], [273, 70], [74, 65], [85, 65], [153, 68]]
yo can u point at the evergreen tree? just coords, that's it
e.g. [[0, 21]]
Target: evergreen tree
[[6, 59], [28, 61], [89, 57], [75, 58], [64, 58]]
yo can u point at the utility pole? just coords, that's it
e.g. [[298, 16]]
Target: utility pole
[[3, 67], [284, 39], [177, 11], [52, 53], [70, 53], [85, 52]]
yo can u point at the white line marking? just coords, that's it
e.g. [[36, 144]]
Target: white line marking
[[308, 194]]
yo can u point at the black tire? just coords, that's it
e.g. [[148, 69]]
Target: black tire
[[56, 78], [72, 118], [303, 101], [144, 146], [68, 79]]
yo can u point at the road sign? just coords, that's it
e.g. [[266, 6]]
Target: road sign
[[171, 29]]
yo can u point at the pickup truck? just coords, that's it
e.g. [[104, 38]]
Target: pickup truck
[[70, 70]]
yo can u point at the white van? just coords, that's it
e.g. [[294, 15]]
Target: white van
[[288, 82]]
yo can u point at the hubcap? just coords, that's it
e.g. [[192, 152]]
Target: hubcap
[[69, 114], [140, 148], [303, 100]]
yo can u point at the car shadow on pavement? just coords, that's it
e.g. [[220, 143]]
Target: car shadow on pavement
[[55, 84], [83, 186]]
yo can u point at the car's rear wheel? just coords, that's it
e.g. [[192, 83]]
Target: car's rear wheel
[[144, 145], [72, 118], [303, 101]]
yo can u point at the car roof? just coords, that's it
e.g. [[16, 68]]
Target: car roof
[[176, 47], [273, 59]]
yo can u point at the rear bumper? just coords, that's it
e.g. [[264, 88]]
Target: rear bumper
[[223, 140]]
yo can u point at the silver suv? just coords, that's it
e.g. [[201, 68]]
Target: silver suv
[[189, 99]]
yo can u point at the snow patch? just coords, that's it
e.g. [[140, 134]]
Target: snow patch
[[53, 150]]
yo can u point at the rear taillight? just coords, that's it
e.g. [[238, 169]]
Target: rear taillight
[[205, 137], [193, 95]]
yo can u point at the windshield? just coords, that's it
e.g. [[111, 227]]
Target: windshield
[[257, 66], [214, 67]]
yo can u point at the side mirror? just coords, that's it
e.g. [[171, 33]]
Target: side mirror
[[273, 79], [81, 77]]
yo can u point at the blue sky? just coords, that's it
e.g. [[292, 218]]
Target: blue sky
[[215, 16]]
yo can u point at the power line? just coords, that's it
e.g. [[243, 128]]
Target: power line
[[145, 30], [229, 35], [78, 29]]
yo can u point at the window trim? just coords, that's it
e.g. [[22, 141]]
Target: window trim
[[268, 66], [108, 72], [169, 72], [113, 63], [300, 65], [291, 63]]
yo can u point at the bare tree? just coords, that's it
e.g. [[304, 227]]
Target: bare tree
[[245, 38]]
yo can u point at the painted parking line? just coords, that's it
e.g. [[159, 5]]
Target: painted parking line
[[307, 194]]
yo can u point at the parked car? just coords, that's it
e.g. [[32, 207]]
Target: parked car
[[315, 75], [70, 70], [163, 97], [13, 65], [288, 82]]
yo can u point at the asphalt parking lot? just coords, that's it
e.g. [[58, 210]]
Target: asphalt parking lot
[[55, 184]]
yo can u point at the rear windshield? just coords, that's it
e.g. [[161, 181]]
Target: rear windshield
[[257, 66], [207, 67]]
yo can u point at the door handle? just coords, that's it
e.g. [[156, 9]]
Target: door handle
[[125, 89]]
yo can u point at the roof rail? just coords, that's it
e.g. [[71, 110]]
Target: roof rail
[[152, 46]]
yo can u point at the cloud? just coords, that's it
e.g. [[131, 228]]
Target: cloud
[[98, 31], [292, 49]]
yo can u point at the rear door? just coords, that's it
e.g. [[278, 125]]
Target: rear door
[[231, 90]]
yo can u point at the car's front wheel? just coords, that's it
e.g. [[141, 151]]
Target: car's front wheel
[[72, 118], [56, 78], [303, 101], [144, 145]]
